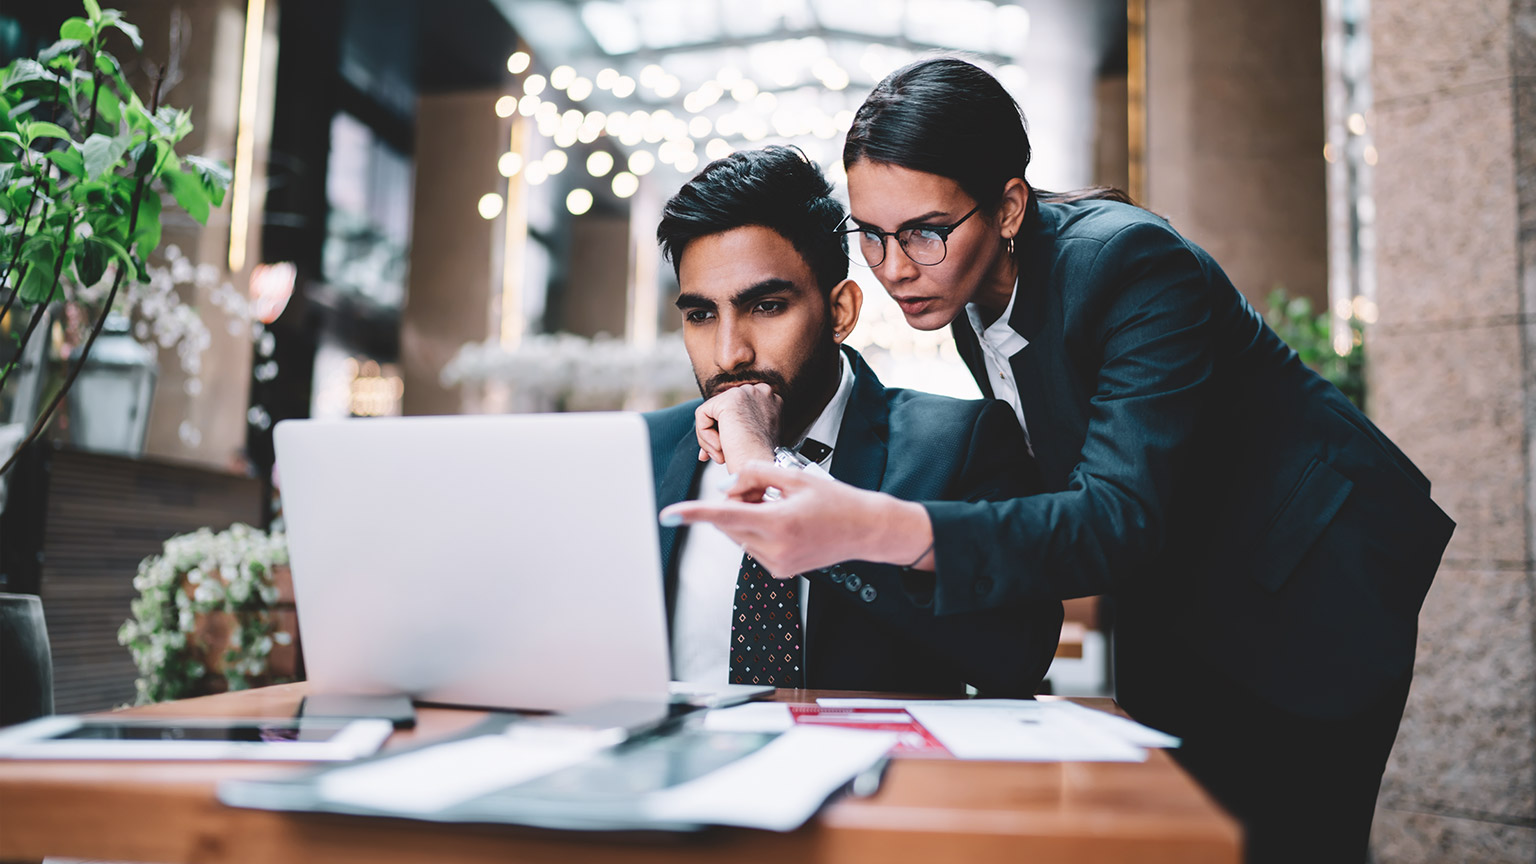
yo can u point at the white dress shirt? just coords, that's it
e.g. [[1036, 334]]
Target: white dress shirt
[[999, 343], [709, 562]]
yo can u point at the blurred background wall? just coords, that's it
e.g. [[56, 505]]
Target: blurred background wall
[[450, 207]]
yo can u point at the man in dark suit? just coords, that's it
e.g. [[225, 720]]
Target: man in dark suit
[[766, 304]]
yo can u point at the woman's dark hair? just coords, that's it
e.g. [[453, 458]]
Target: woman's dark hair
[[775, 187], [948, 117]]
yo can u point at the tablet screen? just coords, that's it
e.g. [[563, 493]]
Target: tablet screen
[[69, 737], [241, 732]]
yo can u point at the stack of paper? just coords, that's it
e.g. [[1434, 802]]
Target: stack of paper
[[563, 778], [1024, 729]]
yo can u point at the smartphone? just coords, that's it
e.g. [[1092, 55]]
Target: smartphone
[[397, 709]]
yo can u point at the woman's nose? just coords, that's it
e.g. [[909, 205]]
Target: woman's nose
[[896, 266]]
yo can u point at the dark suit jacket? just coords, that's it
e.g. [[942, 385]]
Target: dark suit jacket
[[1235, 503], [863, 632]]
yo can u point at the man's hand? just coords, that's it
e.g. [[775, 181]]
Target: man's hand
[[738, 425]]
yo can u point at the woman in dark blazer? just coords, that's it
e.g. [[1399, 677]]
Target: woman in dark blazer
[[1267, 547]]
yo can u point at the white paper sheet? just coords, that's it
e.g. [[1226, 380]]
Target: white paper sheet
[[1029, 731], [1122, 727], [750, 717], [778, 787], [903, 704], [439, 777]]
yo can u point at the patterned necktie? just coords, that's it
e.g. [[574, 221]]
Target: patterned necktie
[[765, 629]]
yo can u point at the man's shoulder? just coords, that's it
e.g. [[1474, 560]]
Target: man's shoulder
[[667, 426]]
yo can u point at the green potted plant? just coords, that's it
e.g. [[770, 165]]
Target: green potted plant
[[1311, 337], [204, 619], [86, 166]]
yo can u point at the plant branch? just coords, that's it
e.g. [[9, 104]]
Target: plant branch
[[58, 276], [101, 320], [74, 372], [90, 127], [21, 240]]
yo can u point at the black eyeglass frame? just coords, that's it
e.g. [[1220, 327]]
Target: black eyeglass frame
[[943, 232]]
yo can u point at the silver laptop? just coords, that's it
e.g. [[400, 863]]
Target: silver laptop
[[491, 561]]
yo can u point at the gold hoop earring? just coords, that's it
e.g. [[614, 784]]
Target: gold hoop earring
[[1010, 245]]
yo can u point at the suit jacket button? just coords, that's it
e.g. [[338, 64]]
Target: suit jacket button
[[983, 586], [853, 582], [836, 574], [868, 594]]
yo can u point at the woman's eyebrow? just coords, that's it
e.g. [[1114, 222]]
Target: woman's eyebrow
[[915, 220]]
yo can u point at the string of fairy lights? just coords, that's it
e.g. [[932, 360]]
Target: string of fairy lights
[[803, 100]]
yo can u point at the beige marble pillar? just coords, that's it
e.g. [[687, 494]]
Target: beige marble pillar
[[1451, 380], [457, 268], [206, 421], [1234, 126]]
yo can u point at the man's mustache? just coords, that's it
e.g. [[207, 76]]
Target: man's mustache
[[718, 383]]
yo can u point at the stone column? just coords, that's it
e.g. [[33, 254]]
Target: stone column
[[456, 265], [1234, 114], [1451, 380], [206, 421]]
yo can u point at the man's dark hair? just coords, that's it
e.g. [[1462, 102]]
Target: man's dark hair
[[777, 188]]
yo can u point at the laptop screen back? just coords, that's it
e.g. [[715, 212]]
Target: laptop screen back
[[496, 561]]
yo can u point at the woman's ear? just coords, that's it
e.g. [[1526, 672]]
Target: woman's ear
[[1010, 212], [845, 300]]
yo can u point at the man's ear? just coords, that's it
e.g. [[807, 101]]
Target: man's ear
[[845, 300], [1010, 211]]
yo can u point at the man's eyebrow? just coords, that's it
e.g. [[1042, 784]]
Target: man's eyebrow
[[694, 301], [748, 296], [915, 220]]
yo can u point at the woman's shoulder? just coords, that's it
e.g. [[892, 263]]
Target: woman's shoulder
[[1102, 221]]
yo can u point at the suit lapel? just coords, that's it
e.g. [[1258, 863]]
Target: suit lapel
[[859, 458], [970, 352], [1028, 320], [677, 484]]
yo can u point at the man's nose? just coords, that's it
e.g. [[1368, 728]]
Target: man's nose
[[735, 344]]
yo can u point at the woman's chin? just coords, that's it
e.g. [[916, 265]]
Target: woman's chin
[[931, 317]]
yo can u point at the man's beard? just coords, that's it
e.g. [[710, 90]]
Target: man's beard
[[803, 390]]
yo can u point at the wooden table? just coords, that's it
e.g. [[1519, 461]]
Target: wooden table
[[928, 810]]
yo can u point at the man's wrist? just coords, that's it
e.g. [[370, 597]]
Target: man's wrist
[[738, 455]]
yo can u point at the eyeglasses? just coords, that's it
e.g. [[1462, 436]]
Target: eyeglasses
[[924, 244]]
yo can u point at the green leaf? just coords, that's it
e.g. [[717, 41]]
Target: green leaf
[[20, 110], [43, 129], [93, 9], [165, 157], [110, 227], [102, 154], [188, 192], [108, 107], [91, 263], [215, 177], [40, 249], [62, 48], [173, 123], [77, 30], [146, 231], [37, 285], [22, 71], [129, 31], [68, 159]]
